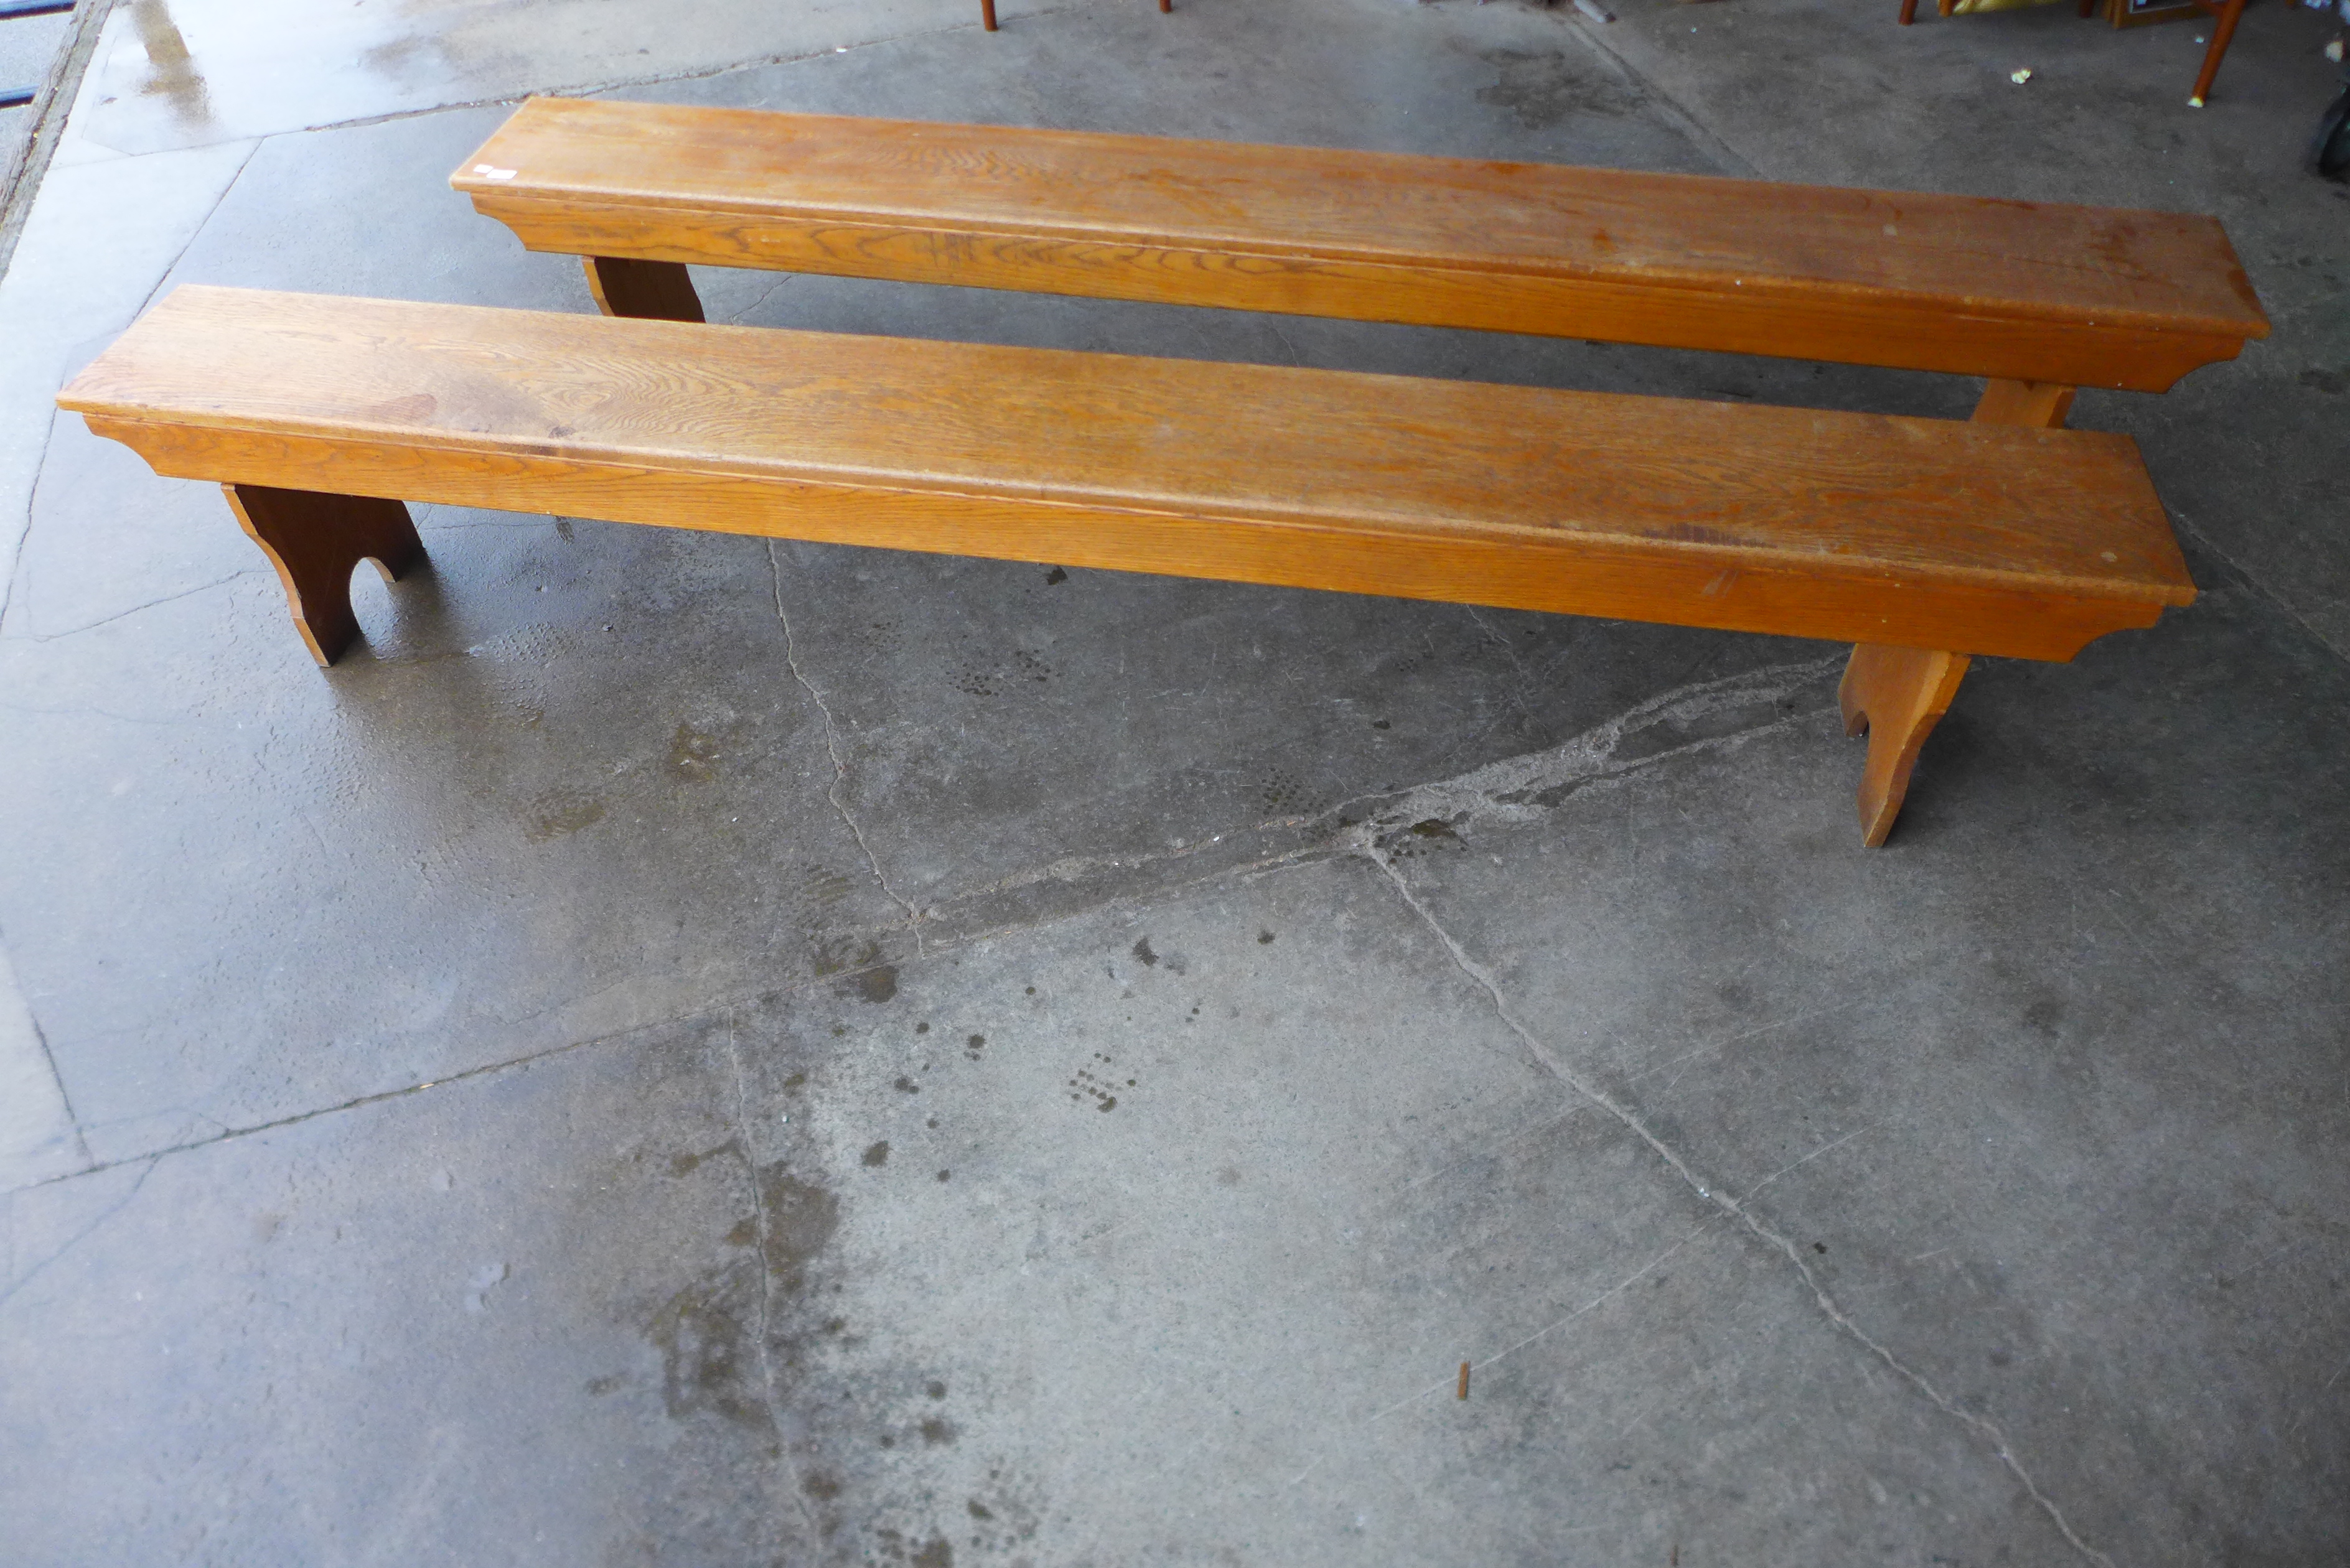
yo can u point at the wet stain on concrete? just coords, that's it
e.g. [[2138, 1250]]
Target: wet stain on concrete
[[933, 1553], [709, 1362], [686, 1164], [974, 1046], [1542, 89], [1286, 793], [878, 984], [800, 1220], [695, 752], [1142, 951], [1423, 838], [878, 1155], [1097, 1086], [1055, 577], [560, 813], [175, 78]]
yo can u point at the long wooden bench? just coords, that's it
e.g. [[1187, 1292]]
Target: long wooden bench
[[1923, 541], [2037, 296]]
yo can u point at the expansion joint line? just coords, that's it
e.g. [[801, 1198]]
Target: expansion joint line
[[839, 762], [1981, 1426]]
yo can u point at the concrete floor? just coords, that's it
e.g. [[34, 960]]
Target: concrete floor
[[681, 1052]]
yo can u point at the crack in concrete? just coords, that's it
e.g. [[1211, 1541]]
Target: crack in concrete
[[13, 559], [78, 1237], [202, 223], [744, 1143], [1496, 792], [1982, 1426], [1516, 789], [91, 710], [839, 765], [2321, 638], [120, 615], [765, 295], [356, 1102], [48, 1058]]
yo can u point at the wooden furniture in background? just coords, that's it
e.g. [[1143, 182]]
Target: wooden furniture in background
[[1895, 533], [987, 12], [2224, 14]]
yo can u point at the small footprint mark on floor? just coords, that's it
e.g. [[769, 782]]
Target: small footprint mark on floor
[[1097, 1085]]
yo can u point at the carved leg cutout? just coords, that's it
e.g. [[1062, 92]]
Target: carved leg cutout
[[1894, 694], [315, 541], [656, 290], [2043, 403]]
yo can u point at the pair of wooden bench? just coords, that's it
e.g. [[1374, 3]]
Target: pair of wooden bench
[[1922, 542]]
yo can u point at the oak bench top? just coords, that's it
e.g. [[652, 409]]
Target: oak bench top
[[1934, 534], [2033, 291]]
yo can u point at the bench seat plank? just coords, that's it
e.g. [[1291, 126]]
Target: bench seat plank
[[1972, 538], [2018, 290]]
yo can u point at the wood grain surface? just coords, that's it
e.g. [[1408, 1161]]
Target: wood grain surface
[[1972, 537], [2024, 291]]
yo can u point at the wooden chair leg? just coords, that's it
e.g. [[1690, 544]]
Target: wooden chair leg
[[316, 541], [1166, 7], [1908, 11], [2043, 403], [987, 15], [2088, 7], [1894, 694], [655, 290], [2222, 29]]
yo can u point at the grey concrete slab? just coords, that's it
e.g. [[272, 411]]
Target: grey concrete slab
[[184, 73], [1998, 1085], [615, 847], [594, 853], [568, 1372], [96, 244], [1162, 1235], [1121, 1240]]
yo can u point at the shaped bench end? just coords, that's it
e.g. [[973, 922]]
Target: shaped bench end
[[316, 541], [1894, 694]]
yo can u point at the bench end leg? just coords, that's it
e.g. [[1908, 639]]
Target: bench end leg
[[316, 541], [2043, 404], [1894, 694], [650, 290]]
